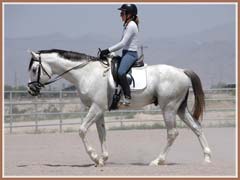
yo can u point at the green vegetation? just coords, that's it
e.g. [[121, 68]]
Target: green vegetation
[[14, 88]]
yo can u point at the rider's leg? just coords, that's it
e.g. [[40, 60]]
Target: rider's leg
[[128, 59]]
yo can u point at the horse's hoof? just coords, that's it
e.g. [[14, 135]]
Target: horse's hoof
[[105, 156], [100, 162], [161, 160], [207, 159], [94, 157], [154, 163]]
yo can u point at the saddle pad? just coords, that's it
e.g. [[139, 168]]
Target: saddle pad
[[140, 77]]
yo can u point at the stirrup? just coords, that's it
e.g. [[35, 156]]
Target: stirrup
[[125, 101]]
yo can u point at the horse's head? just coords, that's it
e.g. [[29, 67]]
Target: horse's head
[[39, 74]]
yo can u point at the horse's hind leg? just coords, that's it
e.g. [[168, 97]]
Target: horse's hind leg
[[102, 137], [169, 116], [197, 129], [94, 114]]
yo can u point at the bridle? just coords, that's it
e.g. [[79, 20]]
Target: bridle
[[34, 87]]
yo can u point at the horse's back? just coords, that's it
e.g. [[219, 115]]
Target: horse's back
[[168, 74]]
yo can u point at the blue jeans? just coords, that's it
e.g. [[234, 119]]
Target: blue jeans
[[127, 61]]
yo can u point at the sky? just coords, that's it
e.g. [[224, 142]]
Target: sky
[[76, 20]]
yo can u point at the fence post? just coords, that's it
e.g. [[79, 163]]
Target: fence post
[[61, 108], [11, 111], [121, 120], [36, 116]]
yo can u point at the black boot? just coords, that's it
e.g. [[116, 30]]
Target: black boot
[[126, 89]]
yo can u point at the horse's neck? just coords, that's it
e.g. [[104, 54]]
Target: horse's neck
[[60, 65]]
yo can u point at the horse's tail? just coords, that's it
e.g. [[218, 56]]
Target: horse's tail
[[199, 102]]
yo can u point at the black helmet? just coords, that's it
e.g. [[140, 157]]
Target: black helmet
[[129, 8]]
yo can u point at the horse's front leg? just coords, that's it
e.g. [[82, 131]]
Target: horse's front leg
[[102, 137], [94, 114]]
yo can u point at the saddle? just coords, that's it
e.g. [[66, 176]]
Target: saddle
[[115, 65], [136, 77]]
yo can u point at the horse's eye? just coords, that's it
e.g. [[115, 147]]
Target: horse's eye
[[34, 70]]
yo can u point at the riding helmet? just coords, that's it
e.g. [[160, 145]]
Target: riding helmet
[[129, 8]]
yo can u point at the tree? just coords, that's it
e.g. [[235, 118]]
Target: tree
[[21, 88], [8, 87], [219, 85]]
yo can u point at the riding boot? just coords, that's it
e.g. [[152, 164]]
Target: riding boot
[[126, 89]]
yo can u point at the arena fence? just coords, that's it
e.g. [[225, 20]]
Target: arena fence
[[61, 109]]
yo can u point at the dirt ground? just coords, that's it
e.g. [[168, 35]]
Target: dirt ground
[[130, 152]]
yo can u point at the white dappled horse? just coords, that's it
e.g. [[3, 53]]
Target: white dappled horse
[[166, 85]]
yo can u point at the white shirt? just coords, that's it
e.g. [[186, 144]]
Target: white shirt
[[129, 38]]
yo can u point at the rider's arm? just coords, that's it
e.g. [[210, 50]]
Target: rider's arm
[[129, 32]]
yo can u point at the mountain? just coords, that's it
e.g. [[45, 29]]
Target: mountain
[[210, 53]]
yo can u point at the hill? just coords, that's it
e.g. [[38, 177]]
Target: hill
[[210, 53]]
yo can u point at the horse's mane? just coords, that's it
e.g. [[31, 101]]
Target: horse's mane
[[69, 55]]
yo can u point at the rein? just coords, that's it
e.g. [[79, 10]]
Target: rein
[[60, 76], [39, 85], [35, 86]]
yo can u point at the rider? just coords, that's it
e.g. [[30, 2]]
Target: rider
[[129, 45]]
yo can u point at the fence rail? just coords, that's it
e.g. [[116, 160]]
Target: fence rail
[[52, 108]]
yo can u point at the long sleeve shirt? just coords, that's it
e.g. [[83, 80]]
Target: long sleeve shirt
[[129, 38]]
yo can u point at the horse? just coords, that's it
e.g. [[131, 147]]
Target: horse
[[166, 86]]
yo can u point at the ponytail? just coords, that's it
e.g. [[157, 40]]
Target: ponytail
[[136, 20], [133, 18]]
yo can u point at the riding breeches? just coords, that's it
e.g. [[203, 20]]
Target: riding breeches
[[127, 61]]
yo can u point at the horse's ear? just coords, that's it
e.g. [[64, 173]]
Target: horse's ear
[[34, 55]]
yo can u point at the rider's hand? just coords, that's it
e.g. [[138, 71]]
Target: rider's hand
[[103, 53]]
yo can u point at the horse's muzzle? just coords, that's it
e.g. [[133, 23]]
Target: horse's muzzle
[[34, 89]]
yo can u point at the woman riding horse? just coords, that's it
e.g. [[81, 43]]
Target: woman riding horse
[[129, 45]]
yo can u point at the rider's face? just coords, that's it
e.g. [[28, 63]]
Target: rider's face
[[123, 15]]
